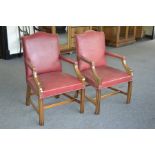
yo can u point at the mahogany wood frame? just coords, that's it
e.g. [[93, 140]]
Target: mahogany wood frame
[[97, 79], [41, 106]]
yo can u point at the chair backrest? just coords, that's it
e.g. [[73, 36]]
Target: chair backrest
[[42, 51], [91, 44]]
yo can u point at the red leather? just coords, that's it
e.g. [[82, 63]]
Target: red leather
[[91, 45], [54, 83], [110, 76], [42, 50]]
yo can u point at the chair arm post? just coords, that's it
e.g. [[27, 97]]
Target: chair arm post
[[127, 68], [123, 60], [75, 64], [93, 69], [35, 77]]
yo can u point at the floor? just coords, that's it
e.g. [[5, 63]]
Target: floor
[[115, 114]]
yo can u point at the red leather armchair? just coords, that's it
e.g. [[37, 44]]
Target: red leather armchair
[[44, 76], [91, 56]]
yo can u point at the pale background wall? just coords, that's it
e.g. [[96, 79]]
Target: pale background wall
[[13, 39], [148, 30]]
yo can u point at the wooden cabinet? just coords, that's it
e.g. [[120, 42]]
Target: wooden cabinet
[[67, 40], [119, 35], [139, 32], [73, 30]]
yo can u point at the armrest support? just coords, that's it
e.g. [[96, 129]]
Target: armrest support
[[91, 63], [75, 64], [93, 69], [123, 60], [35, 77]]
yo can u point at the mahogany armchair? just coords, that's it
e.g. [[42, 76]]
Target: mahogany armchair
[[44, 76], [91, 56]]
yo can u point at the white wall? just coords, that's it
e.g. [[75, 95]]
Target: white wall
[[13, 39]]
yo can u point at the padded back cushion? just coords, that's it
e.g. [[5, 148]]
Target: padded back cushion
[[42, 50], [91, 45]]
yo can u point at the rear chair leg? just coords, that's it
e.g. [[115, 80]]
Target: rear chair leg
[[129, 92], [28, 95], [76, 94], [41, 112], [82, 98], [98, 100], [57, 96]]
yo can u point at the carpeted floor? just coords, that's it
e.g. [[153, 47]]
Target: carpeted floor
[[114, 112]]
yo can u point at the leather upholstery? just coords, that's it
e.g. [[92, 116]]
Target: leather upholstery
[[42, 50], [110, 76], [91, 45], [54, 83]]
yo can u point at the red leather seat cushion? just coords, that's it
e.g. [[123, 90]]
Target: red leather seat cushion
[[110, 76], [54, 83]]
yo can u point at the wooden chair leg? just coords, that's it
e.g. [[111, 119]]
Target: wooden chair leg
[[41, 112], [98, 100], [76, 94], [28, 95], [129, 92], [82, 96]]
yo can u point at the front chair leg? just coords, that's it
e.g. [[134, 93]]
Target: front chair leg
[[82, 98], [28, 95], [129, 92], [98, 100], [41, 112]]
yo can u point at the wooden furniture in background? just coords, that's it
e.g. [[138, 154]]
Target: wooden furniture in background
[[74, 30], [119, 35], [97, 28], [70, 37], [139, 32]]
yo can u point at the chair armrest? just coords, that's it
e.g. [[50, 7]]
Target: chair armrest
[[114, 55], [93, 69], [35, 77], [30, 66], [68, 60], [123, 60], [91, 63], [77, 71]]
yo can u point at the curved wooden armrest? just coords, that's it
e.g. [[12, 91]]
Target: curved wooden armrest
[[35, 77], [93, 69], [77, 71], [123, 60], [30, 66], [114, 55]]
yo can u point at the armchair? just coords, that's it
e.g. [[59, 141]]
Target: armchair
[[44, 76], [91, 57]]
